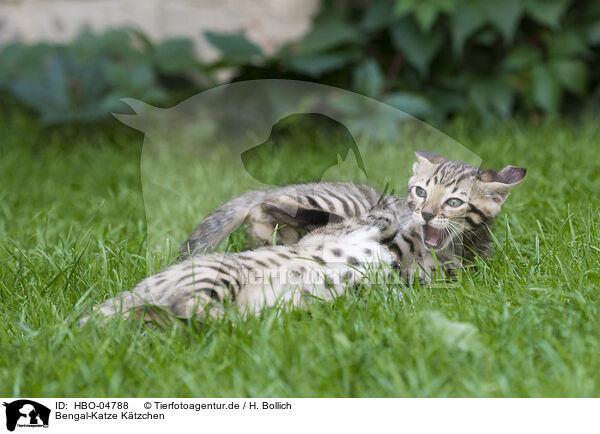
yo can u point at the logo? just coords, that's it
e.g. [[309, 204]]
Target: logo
[[26, 413], [318, 138]]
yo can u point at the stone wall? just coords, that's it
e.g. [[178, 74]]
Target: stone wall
[[268, 23]]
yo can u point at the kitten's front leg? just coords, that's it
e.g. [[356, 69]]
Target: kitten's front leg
[[384, 221], [427, 268], [415, 272]]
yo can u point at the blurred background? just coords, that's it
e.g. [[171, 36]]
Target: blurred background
[[71, 61]]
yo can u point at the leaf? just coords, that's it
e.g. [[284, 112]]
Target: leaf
[[425, 13], [492, 95], [418, 48], [545, 89], [567, 43], [504, 15], [112, 43], [175, 55], [474, 14], [593, 33], [18, 61], [368, 79], [315, 65], [66, 91], [520, 57], [411, 103], [548, 12], [465, 20], [129, 79], [572, 74], [378, 16], [446, 102], [328, 32], [233, 46], [487, 36]]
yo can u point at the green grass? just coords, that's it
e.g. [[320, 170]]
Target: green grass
[[525, 323]]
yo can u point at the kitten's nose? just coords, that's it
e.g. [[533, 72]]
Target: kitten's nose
[[427, 215]]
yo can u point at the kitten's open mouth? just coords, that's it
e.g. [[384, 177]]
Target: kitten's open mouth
[[432, 237]]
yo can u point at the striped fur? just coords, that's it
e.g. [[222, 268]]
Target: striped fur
[[338, 200], [465, 230], [320, 266], [465, 227], [445, 218]]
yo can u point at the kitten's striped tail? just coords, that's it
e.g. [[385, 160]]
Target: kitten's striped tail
[[220, 223]]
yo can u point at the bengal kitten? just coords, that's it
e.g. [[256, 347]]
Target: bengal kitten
[[445, 218], [321, 266], [451, 206]]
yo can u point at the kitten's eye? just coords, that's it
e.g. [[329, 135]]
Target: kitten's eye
[[420, 192], [454, 202]]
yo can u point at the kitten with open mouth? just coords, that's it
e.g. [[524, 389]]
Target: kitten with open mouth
[[446, 215], [453, 204], [432, 237]]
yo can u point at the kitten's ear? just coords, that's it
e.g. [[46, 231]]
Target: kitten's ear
[[430, 157], [427, 160], [500, 183], [299, 217], [507, 177], [512, 175]]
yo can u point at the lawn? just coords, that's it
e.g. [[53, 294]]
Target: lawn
[[524, 323]]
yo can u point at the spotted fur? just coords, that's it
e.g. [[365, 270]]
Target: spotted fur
[[322, 265], [465, 230], [445, 218], [316, 204], [459, 200]]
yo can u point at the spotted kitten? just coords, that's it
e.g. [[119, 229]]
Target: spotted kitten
[[320, 266], [451, 206], [445, 218], [293, 209]]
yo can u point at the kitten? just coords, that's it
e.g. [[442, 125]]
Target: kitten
[[445, 218], [295, 209], [322, 265], [451, 206]]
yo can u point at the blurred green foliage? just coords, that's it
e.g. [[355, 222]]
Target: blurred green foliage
[[430, 58], [85, 80]]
